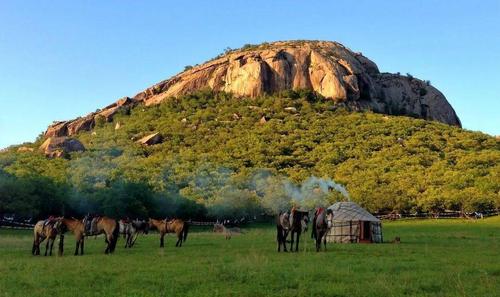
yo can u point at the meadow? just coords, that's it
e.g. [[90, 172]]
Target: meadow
[[434, 258]]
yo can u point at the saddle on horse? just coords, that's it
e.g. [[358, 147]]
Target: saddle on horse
[[90, 224]]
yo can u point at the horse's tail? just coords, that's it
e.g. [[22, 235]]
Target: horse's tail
[[116, 234], [185, 230]]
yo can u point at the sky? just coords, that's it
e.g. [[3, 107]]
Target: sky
[[63, 59]]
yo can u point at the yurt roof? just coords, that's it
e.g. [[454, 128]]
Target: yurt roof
[[350, 211]]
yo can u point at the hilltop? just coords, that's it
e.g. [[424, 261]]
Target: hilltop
[[327, 68]]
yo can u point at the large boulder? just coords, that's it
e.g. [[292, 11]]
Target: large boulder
[[56, 147], [151, 139], [328, 68]]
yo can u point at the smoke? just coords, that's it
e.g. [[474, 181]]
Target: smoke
[[314, 192], [264, 189]]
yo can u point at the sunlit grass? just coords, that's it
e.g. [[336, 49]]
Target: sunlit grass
[[435, 258]]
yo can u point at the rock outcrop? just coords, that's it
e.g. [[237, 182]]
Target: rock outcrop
[[328, 68], [151, 139], [56, 147]]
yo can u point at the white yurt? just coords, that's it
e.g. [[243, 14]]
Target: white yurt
[[352, 224]]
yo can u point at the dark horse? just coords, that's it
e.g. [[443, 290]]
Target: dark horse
[[294, 222], [322, 222], [298, 222]]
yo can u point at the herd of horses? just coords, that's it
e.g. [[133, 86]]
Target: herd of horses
[[111, 228], [296, 221], [293, 222]]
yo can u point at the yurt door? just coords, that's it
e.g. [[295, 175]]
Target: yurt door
[[365, 235]]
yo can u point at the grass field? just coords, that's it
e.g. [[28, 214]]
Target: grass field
[[435, 258]]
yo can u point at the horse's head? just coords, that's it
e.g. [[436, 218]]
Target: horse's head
[[329, 218]]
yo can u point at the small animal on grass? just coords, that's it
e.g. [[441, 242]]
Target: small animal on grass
[[322, 222], [177, 226], [220, 228], [44, 230], [76, 227], [396, 240]]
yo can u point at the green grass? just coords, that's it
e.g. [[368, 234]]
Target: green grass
[[435, 258]]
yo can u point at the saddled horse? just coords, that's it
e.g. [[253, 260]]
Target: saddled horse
[[76, 227], [282, 229], [44, 229], [177, 226], [131, 230], [322, 222], [298, 222], [95, 225]]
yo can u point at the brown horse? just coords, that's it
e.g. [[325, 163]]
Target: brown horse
[[44, 230], [74, 226], [176, 226], [111, 230], [322, 222]]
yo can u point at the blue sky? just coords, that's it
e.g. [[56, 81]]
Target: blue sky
[[63, 59]]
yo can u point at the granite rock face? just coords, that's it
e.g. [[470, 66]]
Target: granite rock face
[[327, 68], [56, 147]]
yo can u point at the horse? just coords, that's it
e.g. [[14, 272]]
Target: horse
[[176, 226], [128, 231], [298, 223], [74, 226], [110, 228], [95, 225], [282, 228], [322, 222], [44, 230], [131, 230]]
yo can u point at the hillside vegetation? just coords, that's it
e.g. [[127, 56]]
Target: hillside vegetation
[[223, 156]]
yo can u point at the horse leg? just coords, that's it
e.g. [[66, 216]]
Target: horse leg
[[278, 238], [33, 249], [134, 239], [77, 246], [81, 246], [285, 235], [324, 240], [107, 244], [51, 246], [297, 244], [47, 244], [161, 239], [292, 235], [47, 247], [318, 240]]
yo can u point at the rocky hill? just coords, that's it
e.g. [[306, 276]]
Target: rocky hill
[[327, 68]]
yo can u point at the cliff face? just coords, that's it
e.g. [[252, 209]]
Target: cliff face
[[328, 68]]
